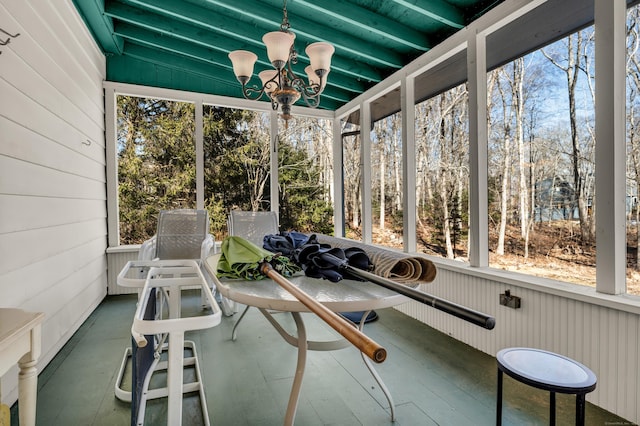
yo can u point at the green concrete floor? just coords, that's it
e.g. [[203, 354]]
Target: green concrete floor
[[434, 379]]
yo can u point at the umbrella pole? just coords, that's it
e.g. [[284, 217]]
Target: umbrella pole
[[478, 318], [360, 340]]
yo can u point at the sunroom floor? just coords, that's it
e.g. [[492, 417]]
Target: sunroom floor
[[434, 379]]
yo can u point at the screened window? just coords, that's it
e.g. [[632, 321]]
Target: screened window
[[236, 163], [156, 162], [305, 175], [442, 174], [386, 181], [542, 164]]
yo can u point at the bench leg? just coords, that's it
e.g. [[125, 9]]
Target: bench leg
[[580, 407], [552, 408], [499, 399]]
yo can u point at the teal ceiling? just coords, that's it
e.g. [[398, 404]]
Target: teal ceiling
[[183, 44]]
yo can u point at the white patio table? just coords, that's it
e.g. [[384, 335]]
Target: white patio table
[[343, 296]]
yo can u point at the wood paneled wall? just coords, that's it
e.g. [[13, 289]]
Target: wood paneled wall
[[52, 171]]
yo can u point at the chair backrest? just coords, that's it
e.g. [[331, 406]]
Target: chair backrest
[[252, 226], [181, 233]]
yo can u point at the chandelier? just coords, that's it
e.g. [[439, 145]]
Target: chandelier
[[281, 85]]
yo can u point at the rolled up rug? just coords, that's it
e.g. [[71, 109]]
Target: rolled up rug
[[391, 264]]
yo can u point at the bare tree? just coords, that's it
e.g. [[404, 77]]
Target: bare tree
[[352, 174], [519, 101], [633, 119], [506, 151], [575, 54]]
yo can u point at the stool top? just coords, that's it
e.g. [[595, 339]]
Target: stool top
[[546, 370]]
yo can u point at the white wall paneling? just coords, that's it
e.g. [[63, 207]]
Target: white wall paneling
[[52, 171], [117, 257]]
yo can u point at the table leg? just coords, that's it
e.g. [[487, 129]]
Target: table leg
[[27, 392], [375, 374], [499, 400], [302, 360], [233, 332], [580, 408], [552, 408]]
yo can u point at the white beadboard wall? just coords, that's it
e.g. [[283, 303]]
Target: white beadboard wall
[[603, 336], [117, 257], [52, 171]]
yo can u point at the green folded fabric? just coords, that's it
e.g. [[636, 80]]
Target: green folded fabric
[[241, 259]]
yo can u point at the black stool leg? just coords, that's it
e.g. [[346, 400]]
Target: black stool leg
[[499, 399], [580, 407], [552, 408]]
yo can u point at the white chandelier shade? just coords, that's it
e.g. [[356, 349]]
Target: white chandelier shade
[[313, 77], [265, 77], [319, 54], [279, 46], [243, 62]]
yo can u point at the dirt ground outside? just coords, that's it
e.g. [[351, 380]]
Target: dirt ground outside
[[554, 253]]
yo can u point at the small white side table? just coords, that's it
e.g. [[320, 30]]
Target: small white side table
[[20, 334]]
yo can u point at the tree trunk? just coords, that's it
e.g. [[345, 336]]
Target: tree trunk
[[572, 79], [504, 195], [382, 188], [518, 94]]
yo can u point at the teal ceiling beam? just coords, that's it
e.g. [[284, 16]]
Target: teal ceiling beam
[[100, 25], [149, 39], [201, 17], [311, 31], [264, 19], [156, 40], [362, 73], [370, 22], [131, 70], [438, 10], [173, 28]]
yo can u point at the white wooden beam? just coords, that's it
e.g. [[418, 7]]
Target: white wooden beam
[[113, 214], [610, 46], [199, 123], [338, 180], [366, 219], [407, 97], [478, 199], [274, 171]]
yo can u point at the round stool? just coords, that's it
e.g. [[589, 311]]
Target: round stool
[[548, 371]]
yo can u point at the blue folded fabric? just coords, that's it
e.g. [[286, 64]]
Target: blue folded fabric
[[318, 260]]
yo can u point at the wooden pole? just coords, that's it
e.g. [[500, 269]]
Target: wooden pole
[[360, 340]]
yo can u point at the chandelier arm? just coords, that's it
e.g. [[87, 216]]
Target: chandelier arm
[[311, 90], [288, 70], [252, 92], [311, 101]]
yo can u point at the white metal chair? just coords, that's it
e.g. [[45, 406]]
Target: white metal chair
[[181, 234], [184, 234], [168, 262], [159, 336], [252, 226]]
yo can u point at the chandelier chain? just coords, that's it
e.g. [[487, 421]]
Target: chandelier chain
[[285, 26]]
